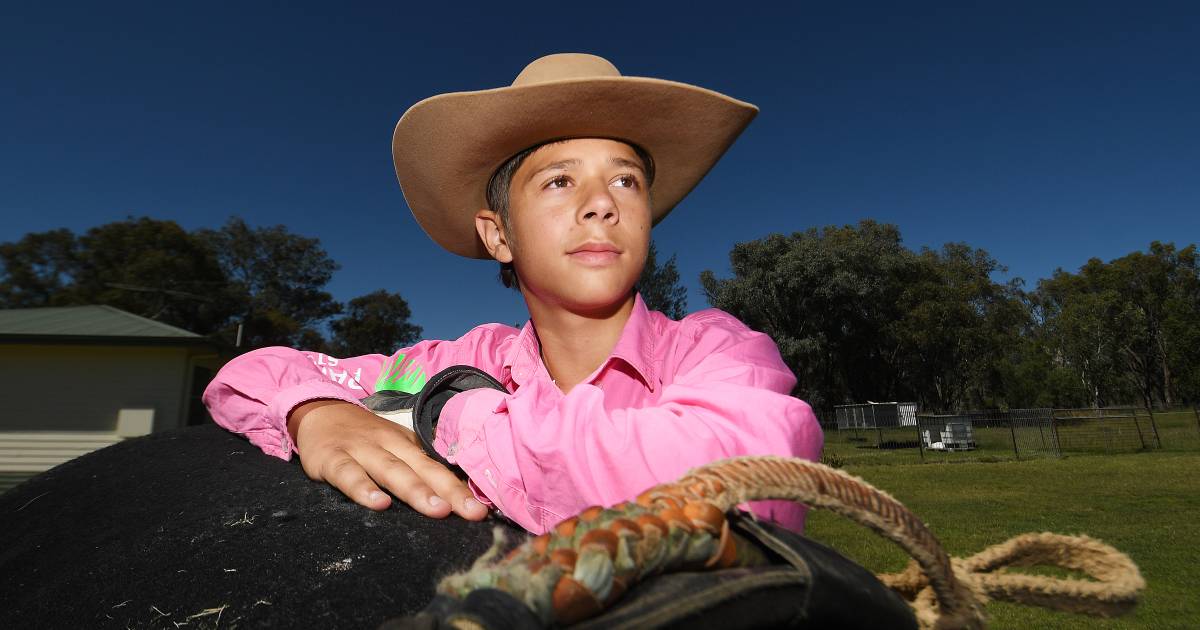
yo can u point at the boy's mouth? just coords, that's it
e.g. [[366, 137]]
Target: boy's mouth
[[595, 253]]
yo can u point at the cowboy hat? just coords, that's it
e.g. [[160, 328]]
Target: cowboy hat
[[447, 147]]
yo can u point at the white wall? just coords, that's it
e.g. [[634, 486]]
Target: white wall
[[81, 388]]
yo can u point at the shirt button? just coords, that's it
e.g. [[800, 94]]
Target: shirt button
[[487, 472]]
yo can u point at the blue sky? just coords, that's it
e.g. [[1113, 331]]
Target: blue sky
[[1045, 133]]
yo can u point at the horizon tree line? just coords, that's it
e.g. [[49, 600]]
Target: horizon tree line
[[856, 314]]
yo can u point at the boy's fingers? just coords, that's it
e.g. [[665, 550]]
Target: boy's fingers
[[344, 473], [398, 477], [445, 484], [450, 487]]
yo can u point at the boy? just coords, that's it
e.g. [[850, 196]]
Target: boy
[[559, 177]]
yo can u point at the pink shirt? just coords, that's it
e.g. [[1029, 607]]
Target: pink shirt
[[672, 395]]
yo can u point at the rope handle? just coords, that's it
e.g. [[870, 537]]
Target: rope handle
[[588, 561]]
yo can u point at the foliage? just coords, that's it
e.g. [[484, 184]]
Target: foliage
[[374, 323], [37, 268], [859, 317], [954, 328], [1129, 328], [266, 280], [660, 287], [856, 315], [825, 297], [150, 268], [279, 281]]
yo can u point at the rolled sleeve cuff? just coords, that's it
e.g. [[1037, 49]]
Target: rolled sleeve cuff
[[461, 440], [460, 425], [275, 440]]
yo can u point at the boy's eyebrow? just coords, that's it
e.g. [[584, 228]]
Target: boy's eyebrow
[[620, 161], [556, 166], [563, 164]]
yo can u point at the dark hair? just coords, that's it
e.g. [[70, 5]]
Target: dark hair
[[499, 188]]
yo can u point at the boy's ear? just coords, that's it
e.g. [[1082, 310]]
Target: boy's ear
[[491, 232]]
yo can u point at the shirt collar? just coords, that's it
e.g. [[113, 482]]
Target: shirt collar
[[637, 342], [635, 346]]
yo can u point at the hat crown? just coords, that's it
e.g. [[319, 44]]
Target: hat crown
[[563, 66]]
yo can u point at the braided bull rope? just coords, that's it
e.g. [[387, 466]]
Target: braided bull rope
[[587, 562]]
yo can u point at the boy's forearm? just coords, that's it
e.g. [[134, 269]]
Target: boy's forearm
[[254, 394], [299, 413]]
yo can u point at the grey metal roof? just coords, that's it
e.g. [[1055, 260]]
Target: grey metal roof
[[84, 321]]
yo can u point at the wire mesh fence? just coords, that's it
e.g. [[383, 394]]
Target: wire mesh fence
[[1178, 428], [1106, 430], [854, 435]]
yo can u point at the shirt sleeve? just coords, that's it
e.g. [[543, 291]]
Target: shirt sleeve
[[253, 394], [727, 396]]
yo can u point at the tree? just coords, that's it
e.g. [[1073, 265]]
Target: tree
[[857, 316], [1181, 323], [954, 326], [279, 281], [374, 323], [826, 297], [152, 268], [1162, 289], [660, 287], [147, 267], [1128, 328], [37, 268], [209, 281]]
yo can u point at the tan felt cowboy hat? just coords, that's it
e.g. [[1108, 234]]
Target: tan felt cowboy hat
[[447, 147]]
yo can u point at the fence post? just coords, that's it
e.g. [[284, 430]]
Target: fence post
[[921, 439], [1154, 427], [1135, 425], [1054, 430], [1013, 433], [878, 431]]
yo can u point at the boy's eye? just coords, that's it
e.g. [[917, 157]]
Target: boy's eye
[[558, 182], [627, 181]]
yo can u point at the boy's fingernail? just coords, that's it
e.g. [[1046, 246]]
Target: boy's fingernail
[[472, 505], [375, 495], [436, 501]]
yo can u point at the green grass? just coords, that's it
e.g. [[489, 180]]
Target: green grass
[[1145, 504]]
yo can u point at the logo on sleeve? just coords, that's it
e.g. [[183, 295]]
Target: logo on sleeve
[[400, 374]]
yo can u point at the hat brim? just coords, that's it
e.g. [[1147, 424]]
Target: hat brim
[[446, 148]]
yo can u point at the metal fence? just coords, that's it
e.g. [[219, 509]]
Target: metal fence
[[1013, 432], [1108, 430], [994, 435], [873, 415]]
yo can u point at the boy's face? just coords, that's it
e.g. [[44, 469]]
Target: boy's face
[[579, 214]]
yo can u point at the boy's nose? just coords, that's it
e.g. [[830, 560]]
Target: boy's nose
[[599, 205]]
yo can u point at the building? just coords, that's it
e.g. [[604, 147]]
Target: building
[[74, 379]]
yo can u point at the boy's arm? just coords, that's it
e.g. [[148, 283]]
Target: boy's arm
[[285, 400], [253, 394], [729, 397]]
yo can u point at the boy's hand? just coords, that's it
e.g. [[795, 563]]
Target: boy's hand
[[356, 451]]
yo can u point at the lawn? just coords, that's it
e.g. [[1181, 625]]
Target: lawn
[[1146, 504]]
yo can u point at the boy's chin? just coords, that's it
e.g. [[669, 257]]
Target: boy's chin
[[598, 302]]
